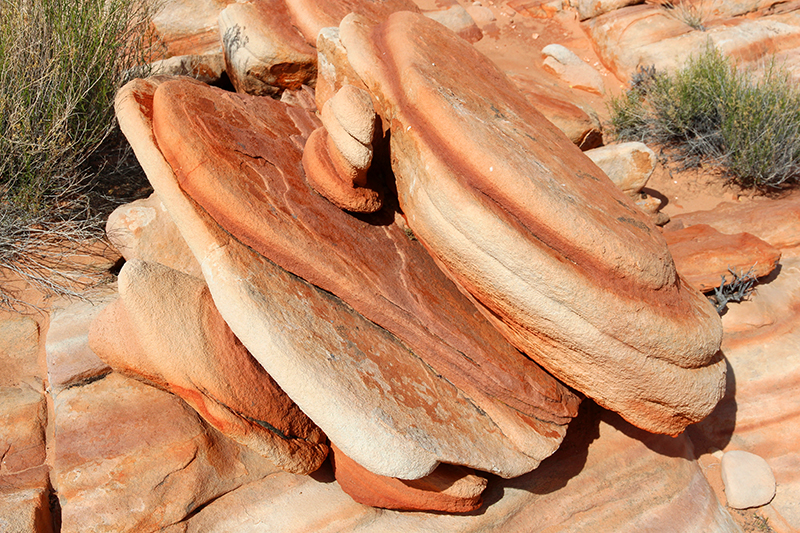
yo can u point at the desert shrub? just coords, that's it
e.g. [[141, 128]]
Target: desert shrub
[[710, 111], [61, 62]]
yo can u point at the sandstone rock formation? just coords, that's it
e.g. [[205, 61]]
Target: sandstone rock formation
[[748, 479], [341, 365], [263, 52], [513, 212], [449, 489], [161, 463], [205, 365], [703, 255]]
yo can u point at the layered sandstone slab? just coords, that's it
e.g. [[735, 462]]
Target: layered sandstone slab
[[448, 489], [608, 476], [383, 405], [310, 16], [205, 364], [565, 265], [368, 261], [703, 255]]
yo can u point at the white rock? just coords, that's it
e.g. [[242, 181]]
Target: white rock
[[748, 480], [629, 165]]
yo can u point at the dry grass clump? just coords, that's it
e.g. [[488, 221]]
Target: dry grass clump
[[712, 112], [61, 62]]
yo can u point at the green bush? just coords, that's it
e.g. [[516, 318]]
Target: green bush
[[61, 61], [710, 111]]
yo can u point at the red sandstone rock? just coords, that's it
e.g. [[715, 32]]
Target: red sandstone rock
[[310, 16], [264, 53], [19, 342], [205, 364], [325, 176], [335, 364], [703, 255], [776, 221], [370, 263], [453, 16], [448, 489], [562, 261], [128, 458]]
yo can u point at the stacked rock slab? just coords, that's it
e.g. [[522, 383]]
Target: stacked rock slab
[[205, 364], [560, 260], [382, 405]]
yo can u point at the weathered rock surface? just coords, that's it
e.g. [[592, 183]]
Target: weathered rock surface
[[23, 416], [776, 221], [703, 255], [424, 309], [580, 124], [748, 479], [592, 8], [760, 412], [342, 366], [310, 16], [514, 212], [70, 360], [144, 230], [207, 68], [448, 489], [457, 19], [629, 165], [608, 476], [645, 35], [333, 69], [563, 62], [185, 27], [264, 53], [19, 353], [129, 457], [205, 365], [331, 176], [24, 480]]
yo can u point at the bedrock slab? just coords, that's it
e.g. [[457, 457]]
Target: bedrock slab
[[130, 457], [559, 258], [608, 476], [373, 396], [760, 412], [164, 329]]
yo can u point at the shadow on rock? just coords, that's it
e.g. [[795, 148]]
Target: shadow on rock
[[716, 429]]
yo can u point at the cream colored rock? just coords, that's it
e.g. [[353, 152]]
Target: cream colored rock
[[70, 360], [457, 19], [357, 153], [563, 62], [333, 69], [748, 479], [144, 230], [264, 53], [592, 8], [629, 165]]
